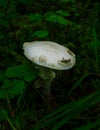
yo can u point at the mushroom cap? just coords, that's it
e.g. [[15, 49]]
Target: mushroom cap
[[49, 54]]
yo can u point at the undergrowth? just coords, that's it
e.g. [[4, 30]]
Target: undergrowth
[[75, 102]]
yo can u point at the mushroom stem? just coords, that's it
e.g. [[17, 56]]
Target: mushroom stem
[[47, 87], [46, 77]]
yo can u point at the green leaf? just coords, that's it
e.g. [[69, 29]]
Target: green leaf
[[56, 18], [36, 17], [24, 1], [12, 88], [62, 13], [3, 23], [25, 72], [3, 3], [41, 33], [2, 76], [68, 1], [1, 35]]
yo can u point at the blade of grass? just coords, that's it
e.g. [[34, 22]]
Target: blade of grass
[[9, 121], [77, 84], [72, 108], [96, 44], [89, 126]]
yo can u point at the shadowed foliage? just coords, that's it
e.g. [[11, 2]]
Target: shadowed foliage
[[75, 99]]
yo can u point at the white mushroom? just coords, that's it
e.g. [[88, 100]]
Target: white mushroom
[[48, 55]]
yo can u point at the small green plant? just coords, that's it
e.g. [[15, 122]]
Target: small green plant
[[14, 80]]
